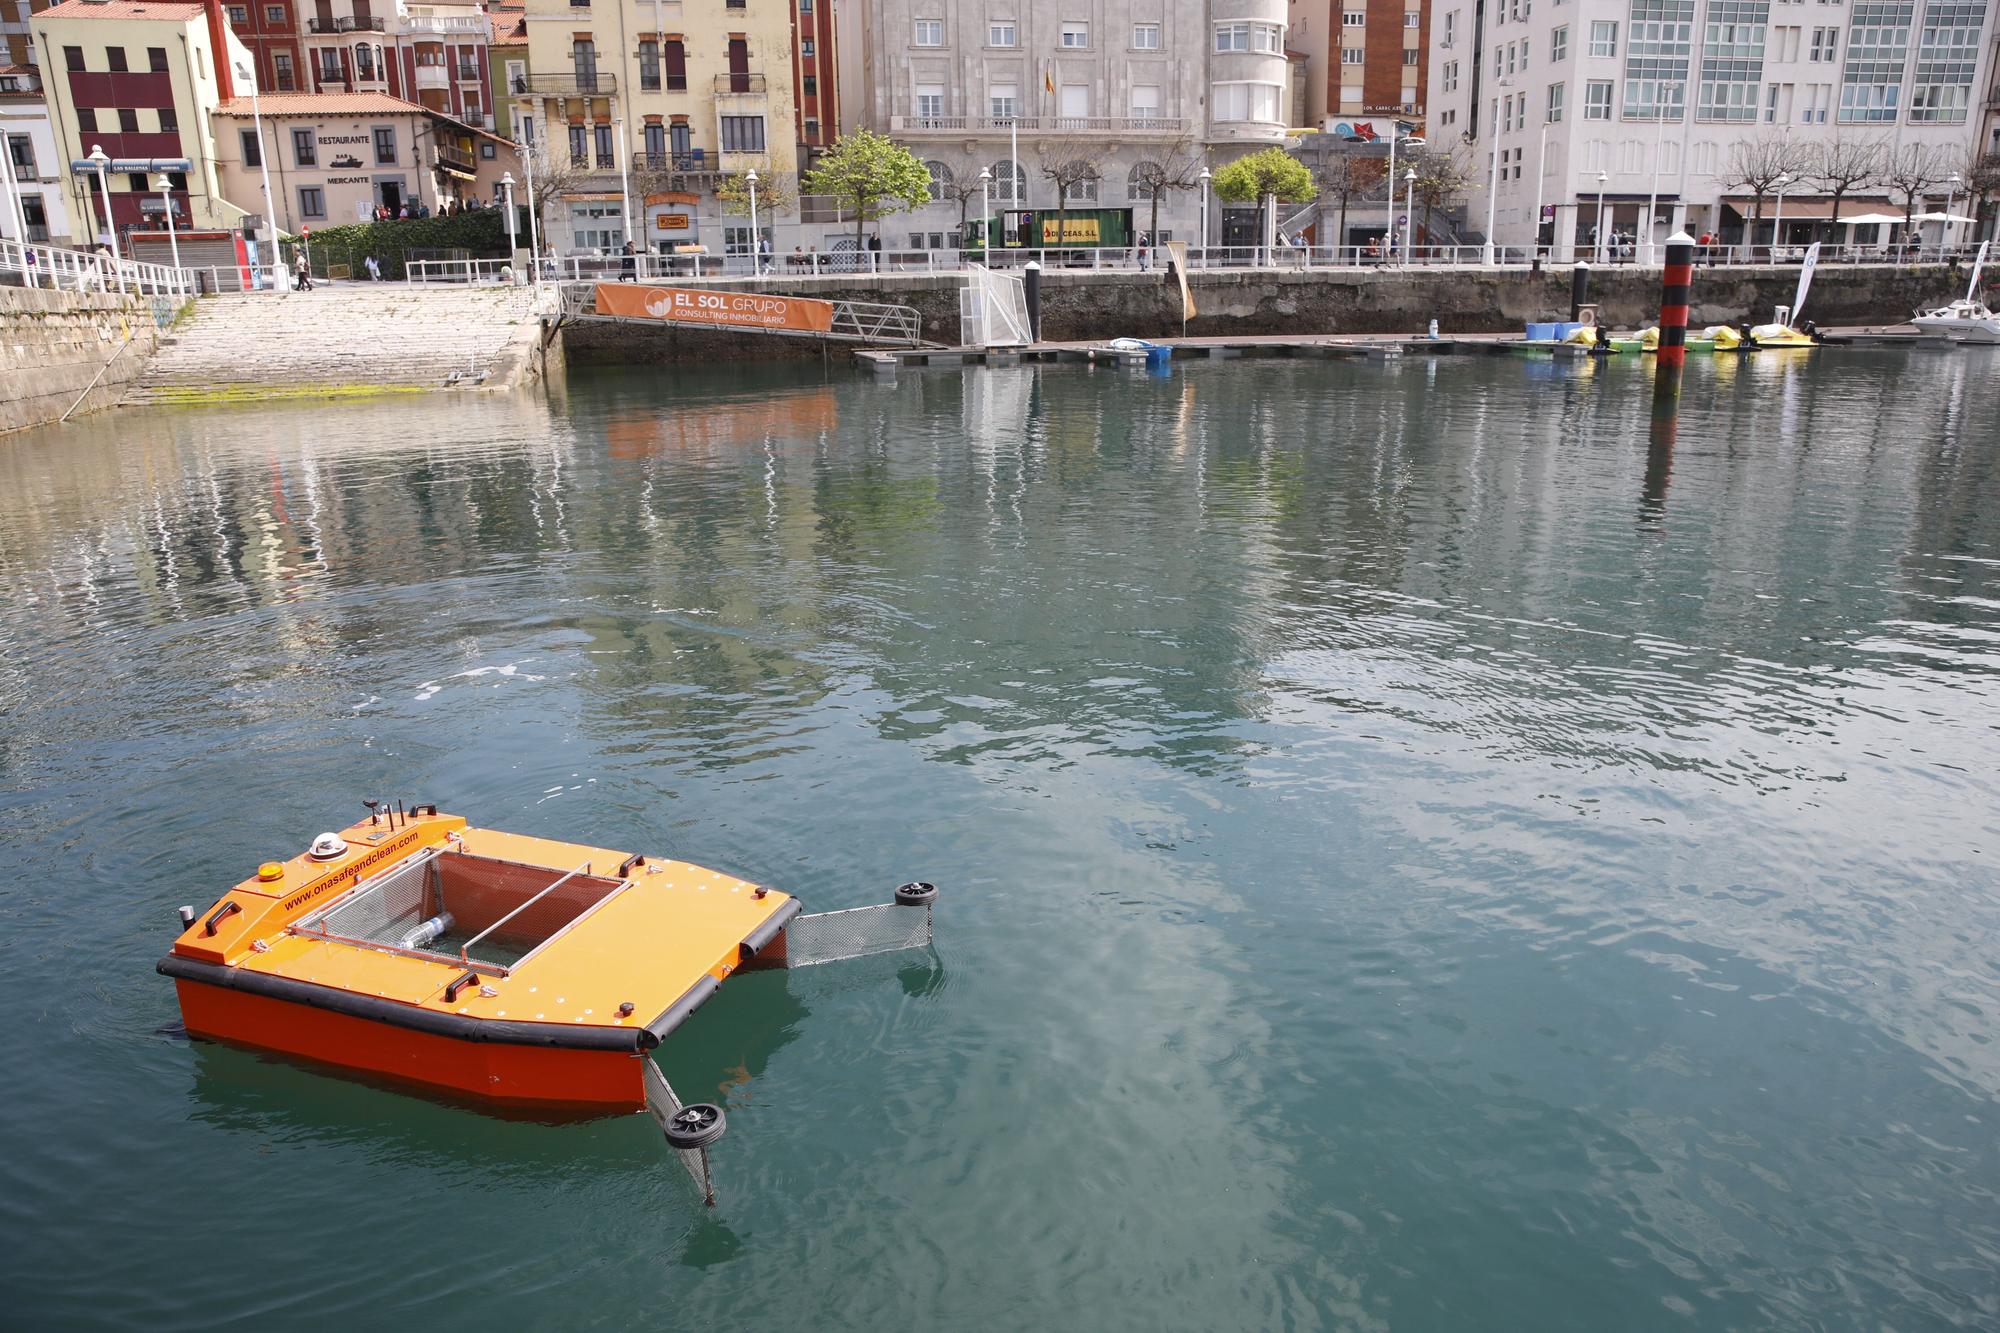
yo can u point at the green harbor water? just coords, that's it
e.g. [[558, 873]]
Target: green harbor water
[[1421, 849]]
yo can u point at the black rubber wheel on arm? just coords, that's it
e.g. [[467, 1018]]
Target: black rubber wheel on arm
[[696, 1125], [916, 894]]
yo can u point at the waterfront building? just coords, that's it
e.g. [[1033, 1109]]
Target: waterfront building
[[139, 78], [37, 168], [334, 158], [507, 64], [641, 112], [1367, 63], [17, 49], [815, 75], [270, 29], [1119, 84], [1618, 105], [432, 53]]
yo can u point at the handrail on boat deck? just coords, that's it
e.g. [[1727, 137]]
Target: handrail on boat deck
[[465, 950]]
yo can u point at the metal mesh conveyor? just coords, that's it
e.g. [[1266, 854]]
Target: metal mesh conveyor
[[666, 1107], [828, 937]]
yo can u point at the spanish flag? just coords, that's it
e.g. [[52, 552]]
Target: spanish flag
[[1048, 82]]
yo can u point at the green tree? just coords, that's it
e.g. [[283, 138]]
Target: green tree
[[1263, 178], [872, 174]]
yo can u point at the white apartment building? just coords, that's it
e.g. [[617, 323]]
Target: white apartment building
[[1635, 100], [962, 82], [35, 170]]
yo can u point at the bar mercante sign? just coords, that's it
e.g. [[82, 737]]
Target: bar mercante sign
[[742, 310]]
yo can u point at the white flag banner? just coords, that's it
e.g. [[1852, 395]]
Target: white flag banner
[[1805, 282], [1978, 263]]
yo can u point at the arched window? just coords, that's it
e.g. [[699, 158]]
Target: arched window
[[1082, 192], [1010, 183], [940, 179], [1138, 184]]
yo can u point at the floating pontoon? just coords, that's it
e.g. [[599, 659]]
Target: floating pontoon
[[516, 971]]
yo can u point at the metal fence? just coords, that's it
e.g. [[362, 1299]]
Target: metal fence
[[57, 269]]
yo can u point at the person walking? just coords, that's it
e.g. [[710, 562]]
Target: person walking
[[374, 269], [305, 273]]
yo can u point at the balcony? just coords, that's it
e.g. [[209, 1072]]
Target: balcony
[[433, 77], [571, 85], [325, 27], [435, 25], [468, 73], [457, 161], [1110, 127], [739, 83]]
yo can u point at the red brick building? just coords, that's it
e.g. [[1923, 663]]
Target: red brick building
[[815, 76], [1368, 61], [270, 28]]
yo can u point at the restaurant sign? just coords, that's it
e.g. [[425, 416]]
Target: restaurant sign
[[742, 310]]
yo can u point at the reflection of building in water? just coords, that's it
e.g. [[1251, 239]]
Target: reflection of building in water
[[729, 424]]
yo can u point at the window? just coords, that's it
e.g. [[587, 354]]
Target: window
[[156, 59], [1075, 37], [579, 145], [128, 120], [812, 129], [807, 47], [86, 118], [1409, 57], [930, 104], [312, 201], [1818, 99], [1450, 26], [1010, 182], [1554, 113], [304, 153], [364, 62], [1940, 103], [677, 69], [169, 122], [1003, 100], [281, 70], [1001, 32], [1264, 37], [22, 149], [1146, 102], [742, 134], [809, 85], [385, 145], [649, 66], [583, 63], [929, 32], [805, 6], [941, 179], [1559, 44], [329, 65], [1354, 18], [1411, 20], [274, 15], [1825, 45], [1450, 73], [473, 113], [1865, 103], [1352, 55], [1247, 101], [1145, 36], [1603, 38], [136, 182], [1597, 100], [239, 13], [607, 147]]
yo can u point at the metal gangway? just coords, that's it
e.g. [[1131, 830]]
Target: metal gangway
[[865, 322]]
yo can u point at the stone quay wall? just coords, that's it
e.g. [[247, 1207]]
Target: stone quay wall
[[53, 343], [1088, 306]]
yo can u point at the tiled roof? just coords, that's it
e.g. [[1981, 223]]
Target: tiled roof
[[320, 104], [167, 11], [509, 30]]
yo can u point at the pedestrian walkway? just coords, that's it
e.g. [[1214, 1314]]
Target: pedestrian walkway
[[346, 339]]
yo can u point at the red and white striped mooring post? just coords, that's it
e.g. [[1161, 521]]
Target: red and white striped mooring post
[[1676, 282]]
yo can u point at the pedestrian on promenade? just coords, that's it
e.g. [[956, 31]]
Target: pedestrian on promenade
[[1145, 254], [763, 254], [627, 266], [305, 282], [374, 269]]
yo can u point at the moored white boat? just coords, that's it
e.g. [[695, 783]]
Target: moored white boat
[[1967, 319]]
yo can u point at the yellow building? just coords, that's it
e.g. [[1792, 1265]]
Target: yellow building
[[138, 79], [640, 111]]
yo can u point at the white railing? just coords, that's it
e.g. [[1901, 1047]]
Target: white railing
[[84, 271]]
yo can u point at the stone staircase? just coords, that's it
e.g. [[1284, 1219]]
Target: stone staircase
[[349, 339]]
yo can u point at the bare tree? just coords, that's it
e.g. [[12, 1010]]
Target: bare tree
[[1442, 180], [1910, 172], [957, 182], [1757, 165], [1345, 177], [553, 179], [1980, 171], [1177, 167], [1842, 166], [1069, 164]]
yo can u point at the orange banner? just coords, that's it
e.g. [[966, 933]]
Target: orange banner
[[687, 305]]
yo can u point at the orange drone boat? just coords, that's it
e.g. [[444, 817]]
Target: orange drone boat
[[513, 970]]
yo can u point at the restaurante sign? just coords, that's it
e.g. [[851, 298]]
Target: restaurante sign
[[686, 305]]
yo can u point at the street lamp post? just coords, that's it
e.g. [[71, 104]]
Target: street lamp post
[[985, 215], [1597, 251], [1409, 214], [1410, 141], [165, 187], [1778, 222], [527, 148], [756, 237], [624, 182], [1493, 185], [1653, 197], [1541, 161], [1204, 217], [102, 161], [507, 194]]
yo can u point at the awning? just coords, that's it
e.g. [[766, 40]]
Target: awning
[[1810, 209], [454, 171], [1945, 217], [588, 197]]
